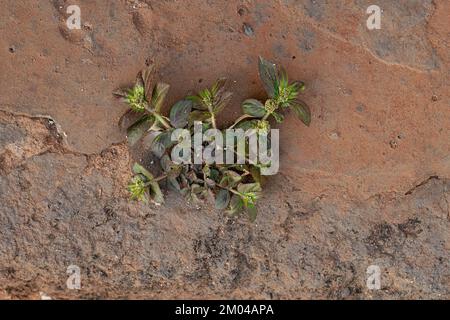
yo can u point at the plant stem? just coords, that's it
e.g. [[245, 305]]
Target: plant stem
[[162, 120], [229, 189], [160, 178], [156, 179], [243, 117], [213, 120], [266, 116]]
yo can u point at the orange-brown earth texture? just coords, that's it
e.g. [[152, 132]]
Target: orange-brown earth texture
[[368, 183]]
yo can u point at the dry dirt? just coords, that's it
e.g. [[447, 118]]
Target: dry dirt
[[367, 184]]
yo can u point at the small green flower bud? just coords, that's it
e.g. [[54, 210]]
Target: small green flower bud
[[262, 127], [136, 99], [137, 188], [270, 106]]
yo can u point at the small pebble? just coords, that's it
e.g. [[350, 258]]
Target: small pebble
[[248, 30], [360, 108], [393, 144], [241, 11], [334, 136]]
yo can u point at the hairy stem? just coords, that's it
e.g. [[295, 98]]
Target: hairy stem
[[213, 120], [162, 120], [164, 176]]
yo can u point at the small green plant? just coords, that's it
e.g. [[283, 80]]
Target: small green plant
[[235, 187]]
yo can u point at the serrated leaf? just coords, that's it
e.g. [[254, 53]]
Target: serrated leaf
[[148, 78], [222, 199], [302, 111], [179, 114], [222, 101], [249, 187], [253, 108], [139, 128], [218, 87], [159, 94], [269, 76]]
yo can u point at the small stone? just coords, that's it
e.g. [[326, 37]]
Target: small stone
[[248, 30], [334, 136], [87, 25], [44, 296], [434, 98], [393, 144], [242, 11]]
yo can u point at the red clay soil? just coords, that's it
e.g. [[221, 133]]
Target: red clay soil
[[367, 184]]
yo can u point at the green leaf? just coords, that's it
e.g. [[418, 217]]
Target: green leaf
[[278, 117], [222, 101], [161, 143], [222, 199], [302, 111], [166, 163], [138, 169], [159, 94], [155, 192], [197, 102], [214, 174], [249, 187], [174, 184], [269, 76], [121, 93], [139, 128], [179, 114], [169, 167], [241, 118], [256, 174], [148, 77], [254, 108], [252, 212], [230, 179], [198, 115], [236, 205], [246, 125], [218, 86]]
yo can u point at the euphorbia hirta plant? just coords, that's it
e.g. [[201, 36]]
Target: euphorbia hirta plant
[[233, 186]]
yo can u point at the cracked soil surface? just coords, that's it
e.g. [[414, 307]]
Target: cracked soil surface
[[367, 184]]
